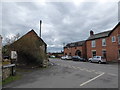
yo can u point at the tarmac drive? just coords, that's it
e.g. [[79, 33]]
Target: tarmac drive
[[70, 74]]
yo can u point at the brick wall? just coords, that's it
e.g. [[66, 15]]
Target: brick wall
[[73, 50], [111, 47]]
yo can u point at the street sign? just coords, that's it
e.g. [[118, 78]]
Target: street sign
[[13, 55]]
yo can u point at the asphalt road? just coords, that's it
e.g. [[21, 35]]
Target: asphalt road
[[70, 74]]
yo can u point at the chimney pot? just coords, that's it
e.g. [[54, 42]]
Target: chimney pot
[[91, 33]]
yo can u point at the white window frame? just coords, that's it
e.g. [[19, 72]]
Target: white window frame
[[104, 42], [113, 38], [93, 43]]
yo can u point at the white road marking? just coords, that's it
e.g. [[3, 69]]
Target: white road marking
[[88, 71], [81, 69], [78, 67], [92, 70], [99, 72], [92, 79], [74, 67], [112, 74]]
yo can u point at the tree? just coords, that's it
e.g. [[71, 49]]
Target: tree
[[12, 39]]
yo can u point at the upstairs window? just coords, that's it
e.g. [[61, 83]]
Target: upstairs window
[[93, 43], [103, 42], [113, 39]]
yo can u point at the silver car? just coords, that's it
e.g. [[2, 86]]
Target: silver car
[[98, 59], [66, 57]]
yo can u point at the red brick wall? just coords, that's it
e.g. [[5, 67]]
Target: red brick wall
[[111, 47], [73, 50]]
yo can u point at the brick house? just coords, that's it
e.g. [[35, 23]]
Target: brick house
[[106, 44], [75, 48], [30, 49]]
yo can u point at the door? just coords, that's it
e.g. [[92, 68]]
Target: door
[[104, 54]]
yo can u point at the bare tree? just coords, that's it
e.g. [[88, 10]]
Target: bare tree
[[12, 39]]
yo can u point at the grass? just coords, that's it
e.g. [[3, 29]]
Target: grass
[[10, 79], [5, 63]]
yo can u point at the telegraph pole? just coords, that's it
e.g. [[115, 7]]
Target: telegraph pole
[[40, 27]]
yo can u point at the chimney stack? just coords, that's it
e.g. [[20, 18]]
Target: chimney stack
[[91, 33], [40, 27]]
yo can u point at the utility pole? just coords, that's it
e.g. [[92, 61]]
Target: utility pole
[[40, 27]]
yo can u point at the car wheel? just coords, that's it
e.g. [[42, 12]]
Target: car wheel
[[99, 62], [90, 61]]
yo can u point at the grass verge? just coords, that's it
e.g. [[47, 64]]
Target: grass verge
[[10, 79]]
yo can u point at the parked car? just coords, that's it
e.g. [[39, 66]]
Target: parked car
[[98, 59], [77, 58], [66, 57], [52, 56], [6, 57]]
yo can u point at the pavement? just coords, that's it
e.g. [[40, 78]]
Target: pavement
[[70, 74]]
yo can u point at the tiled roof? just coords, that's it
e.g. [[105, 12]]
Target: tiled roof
[[103, 34], [73, 44], [100, 35]]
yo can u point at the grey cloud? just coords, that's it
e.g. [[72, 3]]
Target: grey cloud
[[63, 22]]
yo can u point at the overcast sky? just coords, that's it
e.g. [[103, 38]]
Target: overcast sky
[[62, 22]]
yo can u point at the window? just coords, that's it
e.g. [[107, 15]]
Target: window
[[113, 39], [119, 39], [103, 42], [69, 54], [119, 53], [93, 43], [75, 47], [65, 54], [93, 53]]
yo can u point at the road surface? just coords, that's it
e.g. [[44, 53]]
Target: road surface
[[70, 74]]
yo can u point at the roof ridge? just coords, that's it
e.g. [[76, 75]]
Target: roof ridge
[[103, 32], [77, 42]]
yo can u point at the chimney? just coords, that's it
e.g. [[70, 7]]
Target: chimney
[[40, 27], [91, 33]]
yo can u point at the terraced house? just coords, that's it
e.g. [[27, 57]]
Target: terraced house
[[75, 48], [106, 44]]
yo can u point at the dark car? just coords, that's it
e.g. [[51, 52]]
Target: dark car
[[6, 57], [77, 58]]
